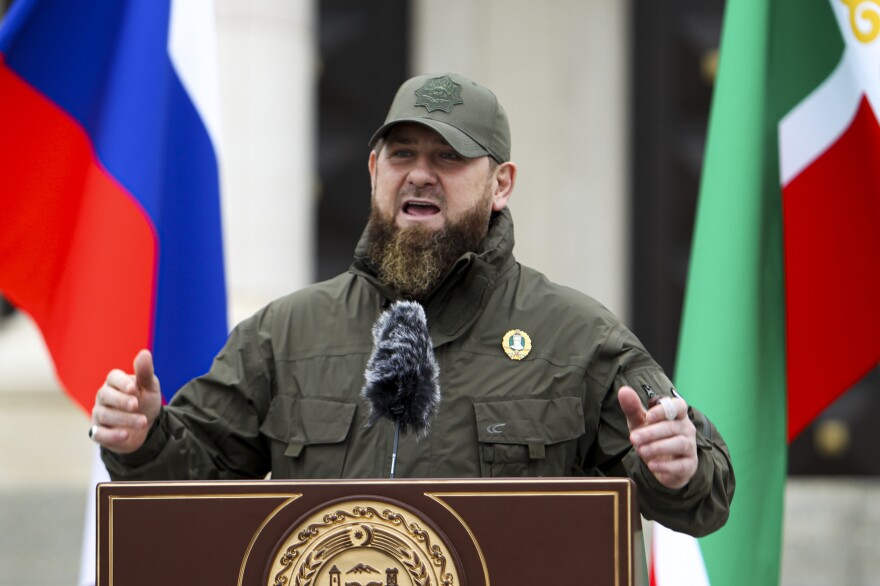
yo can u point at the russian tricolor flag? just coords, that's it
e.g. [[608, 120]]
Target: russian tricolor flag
[[110, 211]]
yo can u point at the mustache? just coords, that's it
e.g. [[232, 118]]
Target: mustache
[[430, 193]]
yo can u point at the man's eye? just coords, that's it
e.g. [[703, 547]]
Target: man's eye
[[400, 153], [451, 156]]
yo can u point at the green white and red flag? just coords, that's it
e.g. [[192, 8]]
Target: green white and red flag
[[781, 312]]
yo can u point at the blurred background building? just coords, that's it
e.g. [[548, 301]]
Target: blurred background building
[[608, 103]]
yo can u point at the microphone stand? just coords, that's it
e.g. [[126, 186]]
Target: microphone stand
[[397, 412]]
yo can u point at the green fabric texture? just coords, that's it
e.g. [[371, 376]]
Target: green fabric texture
[[731, 357]]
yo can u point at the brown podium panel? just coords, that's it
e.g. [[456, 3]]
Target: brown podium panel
[[474, 532]]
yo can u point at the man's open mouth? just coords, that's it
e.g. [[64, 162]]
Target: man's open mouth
[[420, 208]]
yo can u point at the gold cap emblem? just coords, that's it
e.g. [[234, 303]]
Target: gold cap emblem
[[517, 344]]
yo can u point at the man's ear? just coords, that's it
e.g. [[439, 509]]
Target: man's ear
[[505, 180], [372, 164]]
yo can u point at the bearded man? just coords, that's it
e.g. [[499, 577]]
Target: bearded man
[[537, 379]]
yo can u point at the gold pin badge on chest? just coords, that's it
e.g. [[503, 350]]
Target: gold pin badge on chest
[[517, 344]]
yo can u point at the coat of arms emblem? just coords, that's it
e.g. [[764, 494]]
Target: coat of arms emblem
[[363, 543], [517, 344]]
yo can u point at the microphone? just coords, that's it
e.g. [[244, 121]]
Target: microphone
[[402, 372]]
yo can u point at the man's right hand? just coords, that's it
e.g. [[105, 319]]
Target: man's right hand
[[126, 406]]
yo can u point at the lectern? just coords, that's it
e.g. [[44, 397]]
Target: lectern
[[474, 532]]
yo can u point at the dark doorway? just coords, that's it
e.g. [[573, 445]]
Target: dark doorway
[[364, 49]]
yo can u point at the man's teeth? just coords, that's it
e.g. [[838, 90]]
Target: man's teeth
[[420, 206]]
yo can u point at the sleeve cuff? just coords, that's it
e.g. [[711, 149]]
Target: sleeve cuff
[[696, 489], [155, 441]]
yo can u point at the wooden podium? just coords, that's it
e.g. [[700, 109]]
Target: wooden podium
[[503, 532]]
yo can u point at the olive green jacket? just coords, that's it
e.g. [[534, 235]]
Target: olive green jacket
[[283, 394]]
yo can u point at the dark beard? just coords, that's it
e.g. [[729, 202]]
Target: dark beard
[[413, 261]]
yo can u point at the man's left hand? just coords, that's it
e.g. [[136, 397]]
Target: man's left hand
[[663, 436]]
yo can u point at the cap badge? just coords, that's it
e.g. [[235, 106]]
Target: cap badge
[[516, 344], [439, 93]]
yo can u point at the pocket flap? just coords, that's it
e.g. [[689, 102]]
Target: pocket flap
[[530, 421], [303, 422]]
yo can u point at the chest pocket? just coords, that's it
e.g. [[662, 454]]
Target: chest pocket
[[529, 437], [308, 436]]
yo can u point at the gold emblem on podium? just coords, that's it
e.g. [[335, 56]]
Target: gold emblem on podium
[[363, 543]]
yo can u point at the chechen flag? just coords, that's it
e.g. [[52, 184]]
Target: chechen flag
[[110, 212], [781, 311]]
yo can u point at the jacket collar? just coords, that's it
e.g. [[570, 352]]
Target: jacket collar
[[460, 298]]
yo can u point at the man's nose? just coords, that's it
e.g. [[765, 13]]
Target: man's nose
[[422, 173]]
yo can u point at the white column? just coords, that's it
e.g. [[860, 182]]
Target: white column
[[267, 76], [560, 67]]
